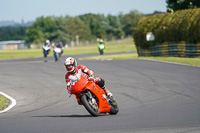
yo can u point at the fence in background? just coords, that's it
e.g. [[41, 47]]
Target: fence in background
[[9, 45]]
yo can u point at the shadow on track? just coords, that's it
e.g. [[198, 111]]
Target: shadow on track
[[60, 116]]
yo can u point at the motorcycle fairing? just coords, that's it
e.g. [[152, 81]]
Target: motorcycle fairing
[[83, 85]]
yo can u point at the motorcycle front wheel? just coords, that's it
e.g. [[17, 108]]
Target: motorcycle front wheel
[[114, 107], [90, 106], [101, 52], [56, 56]]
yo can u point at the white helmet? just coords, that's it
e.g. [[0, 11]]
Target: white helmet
[[47, 42], [70, 64]]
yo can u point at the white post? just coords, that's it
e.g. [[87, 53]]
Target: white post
[[77, 40]]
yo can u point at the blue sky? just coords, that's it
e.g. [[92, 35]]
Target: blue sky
[[29, 10]]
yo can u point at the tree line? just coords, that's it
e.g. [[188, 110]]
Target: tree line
[[175, 5], [12, 33], [85, 27], [65, 29]]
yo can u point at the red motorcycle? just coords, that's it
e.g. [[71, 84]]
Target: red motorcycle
[[91, 96]]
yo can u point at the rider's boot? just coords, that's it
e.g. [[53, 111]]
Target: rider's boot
[[101, 83], [108, 93]]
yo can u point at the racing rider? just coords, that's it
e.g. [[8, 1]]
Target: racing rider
[[72, 69]]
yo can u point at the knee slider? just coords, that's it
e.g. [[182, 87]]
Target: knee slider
[[101, 82]]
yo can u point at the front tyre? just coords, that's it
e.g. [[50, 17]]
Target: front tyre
[[114, 107], [55, 56], [101, 52], [90, 106]]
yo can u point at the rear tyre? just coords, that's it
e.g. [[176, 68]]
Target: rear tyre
[[93, 110]]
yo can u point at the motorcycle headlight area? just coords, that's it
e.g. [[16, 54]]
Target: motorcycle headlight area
[[101, 47]]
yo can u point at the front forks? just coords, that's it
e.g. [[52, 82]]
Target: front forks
[[92, 101]]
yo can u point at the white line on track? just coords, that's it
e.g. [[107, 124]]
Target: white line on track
[[12, 104]]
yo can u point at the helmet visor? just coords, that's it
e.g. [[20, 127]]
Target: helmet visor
[[69, 67]]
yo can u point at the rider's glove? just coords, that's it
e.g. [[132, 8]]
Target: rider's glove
[[91, 77], [109, 94]]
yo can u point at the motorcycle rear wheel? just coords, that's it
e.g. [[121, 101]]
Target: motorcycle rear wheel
[[89, 108]]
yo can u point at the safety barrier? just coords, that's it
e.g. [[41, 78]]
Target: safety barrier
[[166, 49]]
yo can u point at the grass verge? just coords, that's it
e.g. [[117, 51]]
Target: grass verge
[[186, 61], [4, 102], [124, 45]]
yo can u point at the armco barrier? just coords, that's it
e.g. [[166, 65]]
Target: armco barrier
[[166, 49], [198, 49]]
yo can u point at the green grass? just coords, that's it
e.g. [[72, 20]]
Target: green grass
[[187, 61], [3, 102], [113, 57], [125, 45], [113, 46], [28, 53]]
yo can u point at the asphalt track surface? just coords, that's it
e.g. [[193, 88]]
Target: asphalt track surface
[[153, 97]]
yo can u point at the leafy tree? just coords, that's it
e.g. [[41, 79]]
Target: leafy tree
[[12, 33], [34, 35], [41, 30], [74, 27], [115, 26], [47, 26], [51, 28], [174, 5], [96, 23], [88, 26], [59, 34], [130, 21]]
